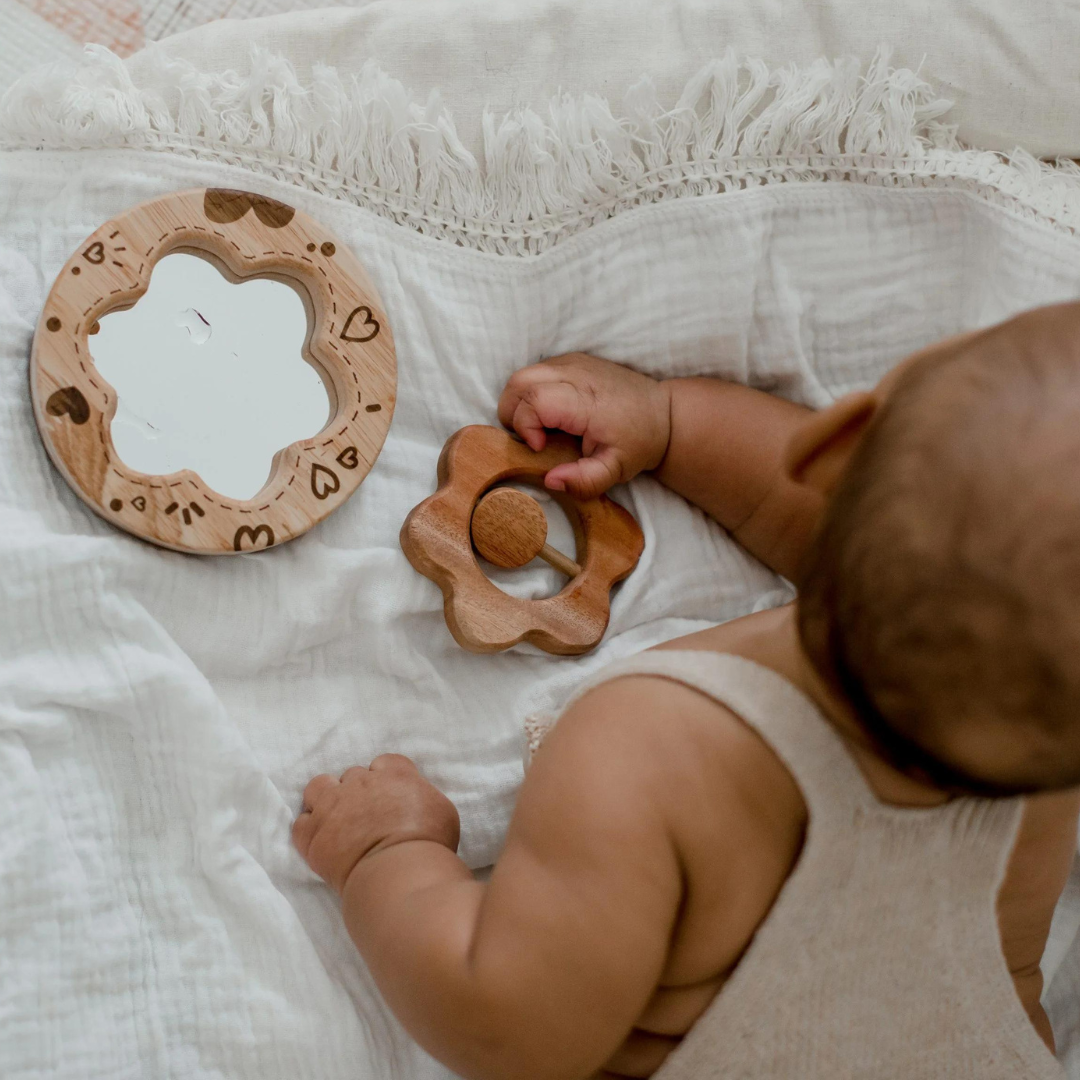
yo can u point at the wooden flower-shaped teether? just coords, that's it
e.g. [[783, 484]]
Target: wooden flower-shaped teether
[[349, 342], [442, 535]]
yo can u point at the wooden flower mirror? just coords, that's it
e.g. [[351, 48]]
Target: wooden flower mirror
[[348, 342]]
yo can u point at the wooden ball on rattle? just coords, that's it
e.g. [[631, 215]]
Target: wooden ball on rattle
[[509, 529]]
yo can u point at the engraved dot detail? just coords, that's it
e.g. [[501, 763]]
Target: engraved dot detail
[[53, 323], [327, 249], [115, 505], [311, 247], [75, 270]]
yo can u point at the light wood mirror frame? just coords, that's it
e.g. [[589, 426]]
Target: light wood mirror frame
[[349, 343]]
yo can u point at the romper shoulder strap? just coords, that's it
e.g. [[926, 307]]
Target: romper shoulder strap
[[791, 724]]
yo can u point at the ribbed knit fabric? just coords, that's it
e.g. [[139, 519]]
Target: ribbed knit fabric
[[881, 957]]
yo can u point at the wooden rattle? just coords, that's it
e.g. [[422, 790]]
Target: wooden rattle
[[349, 343], [508, 528]]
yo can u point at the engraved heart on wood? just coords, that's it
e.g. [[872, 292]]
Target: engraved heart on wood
[[224, 206], [348, 458], [246, 532], [69, 400], [369, 320], [324, 481]]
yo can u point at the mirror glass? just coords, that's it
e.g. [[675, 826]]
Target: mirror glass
[[210, 375], [536, 579]]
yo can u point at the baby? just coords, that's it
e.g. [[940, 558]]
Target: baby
[[820, 841]]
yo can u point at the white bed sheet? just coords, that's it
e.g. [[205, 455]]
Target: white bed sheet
[[159, 713]]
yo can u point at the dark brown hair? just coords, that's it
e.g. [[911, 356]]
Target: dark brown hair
[[942, 591]]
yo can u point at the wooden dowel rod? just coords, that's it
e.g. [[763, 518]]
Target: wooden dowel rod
[[561, 562]]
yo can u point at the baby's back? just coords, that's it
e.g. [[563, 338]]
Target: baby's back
[[887, 921]]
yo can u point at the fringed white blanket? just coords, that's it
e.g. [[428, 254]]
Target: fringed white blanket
[[159, 714]]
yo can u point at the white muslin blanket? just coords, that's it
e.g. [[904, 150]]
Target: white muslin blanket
[[160, 713]]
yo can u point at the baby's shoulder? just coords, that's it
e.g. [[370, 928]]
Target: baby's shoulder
[[721, 786]]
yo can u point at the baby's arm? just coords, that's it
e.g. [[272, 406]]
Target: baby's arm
[[719, 444], [542, 971]]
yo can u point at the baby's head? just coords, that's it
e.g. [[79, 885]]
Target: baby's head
[[942, 593]]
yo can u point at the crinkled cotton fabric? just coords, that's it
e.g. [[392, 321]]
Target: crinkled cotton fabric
[[161, 713]]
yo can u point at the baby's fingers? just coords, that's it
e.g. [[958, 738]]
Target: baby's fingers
[[531, 403], [587, 477], [303, 830]]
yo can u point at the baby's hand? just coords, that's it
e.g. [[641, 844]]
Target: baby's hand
[[366, 810], [623, 418]]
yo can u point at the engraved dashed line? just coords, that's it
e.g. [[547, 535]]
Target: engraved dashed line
[[358, 397], [297, 465], [245, 511], [266, 507], [291, 479], [94, 385], [235, 244], [176, 483], [83, 366], [278, 495], [118, 473], [75, 343], [330, 286], [356, 414], [208, 499], [141, 265], [118, 248], [116, 262], [291, 254], [306, 259], [113, 234], [200, 228], [113, 292], [225, 506], [249, 256], [156, 487], [328, 442], [179, 228], [354, 378], [344, 429], [218, 232], [333, 305], [160, 238], [139, 483], [325, 275], [271, 252], [331, 328]]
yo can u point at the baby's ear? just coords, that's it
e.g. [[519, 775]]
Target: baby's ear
[[821, 447]]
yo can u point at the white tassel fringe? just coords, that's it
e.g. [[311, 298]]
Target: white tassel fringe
[[363, 139]]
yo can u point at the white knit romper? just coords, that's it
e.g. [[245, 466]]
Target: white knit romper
[[881, 957]]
